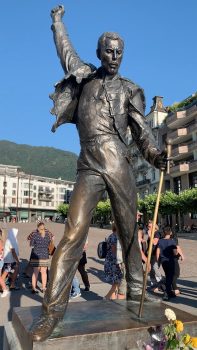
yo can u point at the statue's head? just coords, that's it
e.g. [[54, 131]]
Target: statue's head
[[110, 51]]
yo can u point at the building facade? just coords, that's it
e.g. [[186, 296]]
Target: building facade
[[180, 127], [29, 197], [182, 131]]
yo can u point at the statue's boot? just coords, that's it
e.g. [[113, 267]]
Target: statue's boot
[[136, 297], [43, 327]]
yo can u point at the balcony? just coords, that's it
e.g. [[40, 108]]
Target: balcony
[[179, 169], [193, 166], [179, 118], [182, 134], [183, 151], [41, 189], [143, 182], [183, 168], [45, 197]]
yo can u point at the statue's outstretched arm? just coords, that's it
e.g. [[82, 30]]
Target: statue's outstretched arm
[[68, 57]]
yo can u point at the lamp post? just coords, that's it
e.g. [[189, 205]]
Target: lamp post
[[4, 193], [18, 172], [29, 212]]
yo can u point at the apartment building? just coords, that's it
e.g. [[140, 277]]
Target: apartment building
[[29, 197], [179, 126], [182, 131]]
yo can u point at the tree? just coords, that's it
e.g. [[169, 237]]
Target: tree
[[170, 202], [63, 209], [103, 212], [188, 201]]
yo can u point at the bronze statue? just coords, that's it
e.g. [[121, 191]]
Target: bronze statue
[[104, 106]]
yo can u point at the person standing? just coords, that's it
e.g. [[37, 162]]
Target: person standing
[[39, 259], [2, 282], [156, 277], [112, 270], [165, 253], [82, 269], [11, 258], [176, 262], [75, 289]]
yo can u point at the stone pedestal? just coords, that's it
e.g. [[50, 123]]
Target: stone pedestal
[[93, 325]]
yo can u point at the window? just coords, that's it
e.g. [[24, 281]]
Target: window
[[61, 196], [193, 180], [34, 188], [14, 185], [35, 195], [27, 201], [62, 190], [26, 193], [13, 192], [34, 202], [13, 200]]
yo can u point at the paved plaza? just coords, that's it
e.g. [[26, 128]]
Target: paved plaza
[[187, 301]]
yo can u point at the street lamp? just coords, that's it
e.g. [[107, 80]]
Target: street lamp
[[4, 192], [29, 213], [17, 197]]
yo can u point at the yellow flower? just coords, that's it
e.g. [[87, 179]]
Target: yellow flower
[[179, 326], [186, 339], [194, 342]]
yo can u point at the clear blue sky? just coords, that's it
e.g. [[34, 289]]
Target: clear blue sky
[[160, 55]]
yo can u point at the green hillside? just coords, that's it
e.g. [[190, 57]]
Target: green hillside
[[43, 161]]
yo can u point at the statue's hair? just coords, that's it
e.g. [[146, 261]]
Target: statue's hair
[[109, 35]]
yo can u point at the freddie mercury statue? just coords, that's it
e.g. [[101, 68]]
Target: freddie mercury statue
[[103, 105]]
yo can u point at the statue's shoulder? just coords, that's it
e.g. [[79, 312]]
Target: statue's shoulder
[[136, 95], [130, 84]]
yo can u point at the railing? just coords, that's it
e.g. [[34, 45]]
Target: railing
[[181, 114], [179, 150], [45, 197], [143, 182]]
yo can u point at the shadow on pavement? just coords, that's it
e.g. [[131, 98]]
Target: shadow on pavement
[[90, 295], [187, 283], [97, 273], [183, 300], [99, 261]]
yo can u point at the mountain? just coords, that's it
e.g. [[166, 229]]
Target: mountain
[[42, 161]]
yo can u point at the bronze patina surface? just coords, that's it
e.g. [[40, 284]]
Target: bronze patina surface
[[106, 109], [98, 324]]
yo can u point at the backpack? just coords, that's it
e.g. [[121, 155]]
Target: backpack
[[102, 250]]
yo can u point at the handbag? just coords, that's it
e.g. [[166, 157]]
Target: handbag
[[51, 248], [102, 250]]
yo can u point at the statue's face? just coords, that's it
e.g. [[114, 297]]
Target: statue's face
[[111, 55]]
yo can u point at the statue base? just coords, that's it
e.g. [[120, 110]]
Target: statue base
[[94, 325]]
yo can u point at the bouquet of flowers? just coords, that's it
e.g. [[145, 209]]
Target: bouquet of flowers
[[170, 337]]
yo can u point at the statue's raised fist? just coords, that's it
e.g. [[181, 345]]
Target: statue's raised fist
[[57, 13]]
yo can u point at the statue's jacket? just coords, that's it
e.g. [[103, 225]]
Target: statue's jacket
[[68, 91]]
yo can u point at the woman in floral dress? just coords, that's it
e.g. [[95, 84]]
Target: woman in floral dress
[[39, 259], [112, 269]]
